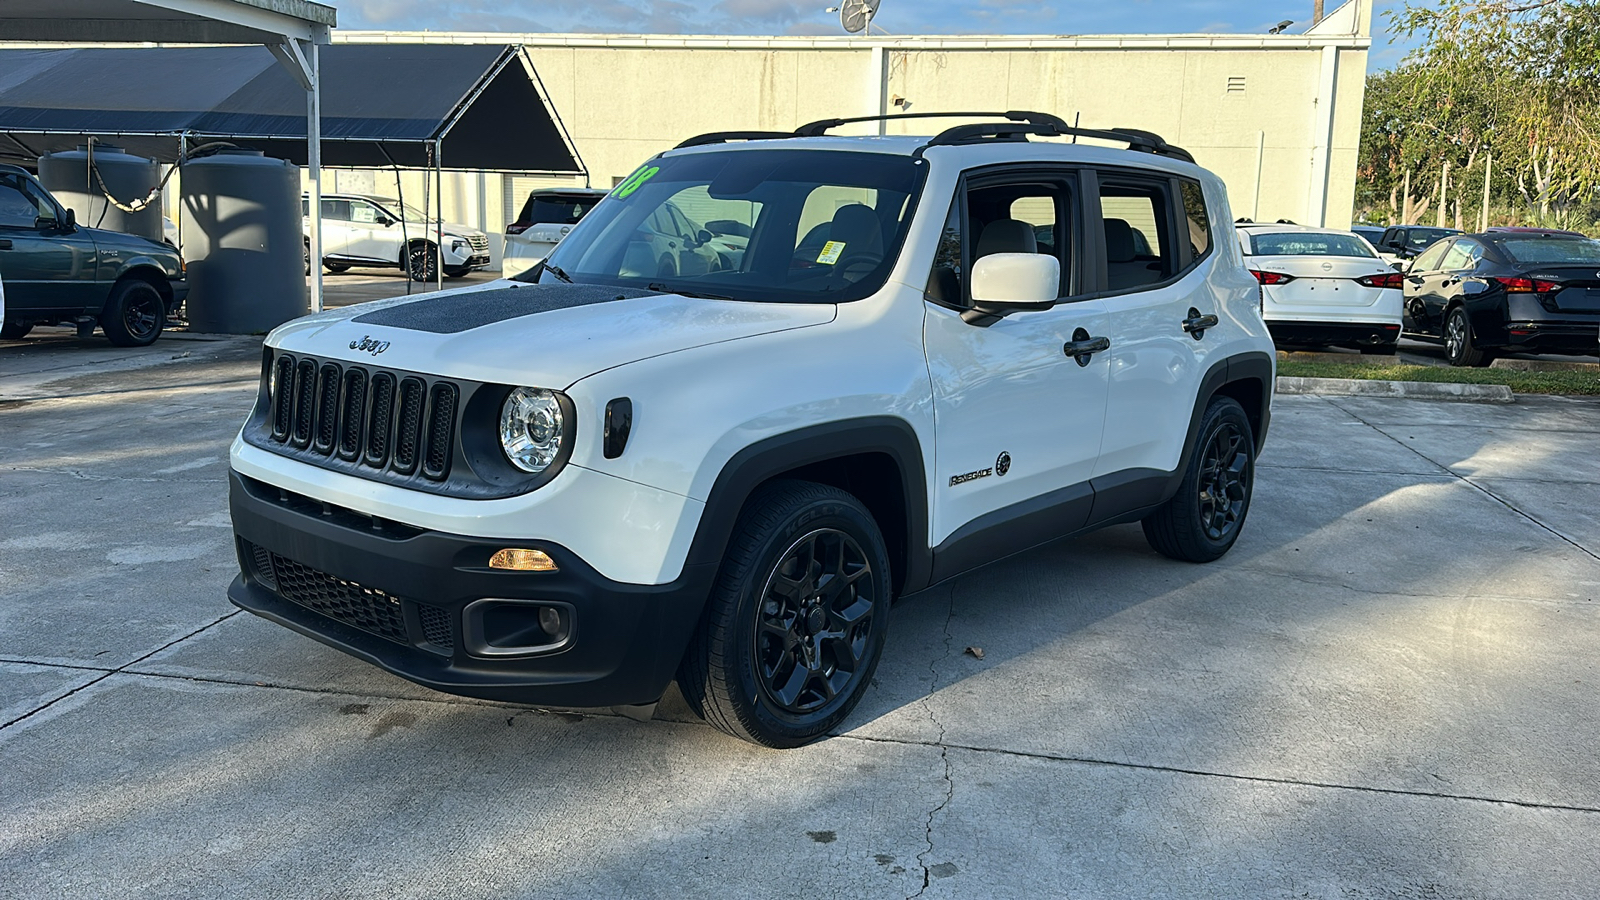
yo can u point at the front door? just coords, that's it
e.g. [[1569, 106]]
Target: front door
[[1017, 421], [1424, 282], [46, 268]]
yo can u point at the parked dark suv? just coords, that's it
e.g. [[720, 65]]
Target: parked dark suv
[[56, 270], [1485, 293]]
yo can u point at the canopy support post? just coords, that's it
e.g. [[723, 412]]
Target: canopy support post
[[301, 58], [438, 200]]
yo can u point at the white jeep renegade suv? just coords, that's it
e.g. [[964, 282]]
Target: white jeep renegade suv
[[641, 461]]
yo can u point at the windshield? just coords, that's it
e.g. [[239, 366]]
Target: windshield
[[802, 226], [1585, 252], [1300, 243]]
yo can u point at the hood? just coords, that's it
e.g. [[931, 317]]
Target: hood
[[450, 228], [541, 335], [132, 243]]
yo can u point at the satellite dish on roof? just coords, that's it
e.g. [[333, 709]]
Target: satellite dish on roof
[[856, 16]]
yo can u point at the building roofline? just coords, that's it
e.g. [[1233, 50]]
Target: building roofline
[[845, 42]]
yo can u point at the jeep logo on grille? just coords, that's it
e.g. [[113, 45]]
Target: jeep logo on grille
[[368, 344]]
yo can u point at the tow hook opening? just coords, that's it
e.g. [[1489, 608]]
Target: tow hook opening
[[496, 627]]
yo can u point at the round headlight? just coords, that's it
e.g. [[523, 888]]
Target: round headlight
[[531, 428]]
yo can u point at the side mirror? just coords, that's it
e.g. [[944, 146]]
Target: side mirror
[[703, 236], [1004, 283], [69, 220], [385, 221]]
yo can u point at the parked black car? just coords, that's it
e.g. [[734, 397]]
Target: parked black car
[[1487, 293], [57, 271]]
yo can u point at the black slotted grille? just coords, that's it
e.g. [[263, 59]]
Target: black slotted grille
[[305, 395], [367, 608], [282, 398], [441, 430], [399, 424], [263, 564], [355, 407], [327, 407], [408, 430], [380, 419]]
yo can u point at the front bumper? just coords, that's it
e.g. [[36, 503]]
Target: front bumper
[[395, 596]]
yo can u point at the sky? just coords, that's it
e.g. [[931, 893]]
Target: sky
[[900, 17]]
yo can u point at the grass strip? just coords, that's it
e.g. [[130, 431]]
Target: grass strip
[[1565, 383]]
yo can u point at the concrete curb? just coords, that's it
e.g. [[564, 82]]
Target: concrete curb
[[1544, 365], [1399, 390]]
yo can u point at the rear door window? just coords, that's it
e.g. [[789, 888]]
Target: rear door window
[[1137, 219]]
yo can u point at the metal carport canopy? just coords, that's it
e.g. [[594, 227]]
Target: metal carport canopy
[[477, 106], [290, 29]]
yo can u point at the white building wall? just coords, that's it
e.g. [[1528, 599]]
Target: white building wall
[[1242, 104]]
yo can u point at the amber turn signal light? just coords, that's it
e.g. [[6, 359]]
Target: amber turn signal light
[[522, 560]]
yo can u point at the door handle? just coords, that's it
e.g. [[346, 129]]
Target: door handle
[[1082, 346], [5, 243], [1197, 324]]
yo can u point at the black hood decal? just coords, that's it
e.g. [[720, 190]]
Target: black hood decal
[[452, 314]]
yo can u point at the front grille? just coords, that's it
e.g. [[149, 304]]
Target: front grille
[[393, 424], [479, 242], [263, 564], [369, 609]]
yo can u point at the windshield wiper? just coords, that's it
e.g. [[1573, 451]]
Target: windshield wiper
[[693, 295], [556, 271]]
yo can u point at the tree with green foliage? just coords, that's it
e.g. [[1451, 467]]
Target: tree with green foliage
[[1510, 83]]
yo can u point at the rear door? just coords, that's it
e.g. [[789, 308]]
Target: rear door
[[46, 269], [335, 227], [1151, 237]]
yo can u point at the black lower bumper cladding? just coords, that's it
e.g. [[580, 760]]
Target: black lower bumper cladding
[[394, 596]]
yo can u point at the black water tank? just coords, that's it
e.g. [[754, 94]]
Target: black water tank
[[66, 175], [244, 242]]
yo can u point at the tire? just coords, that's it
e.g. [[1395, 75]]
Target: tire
[[422, 262], [768, 661], [308, 258], [1379, 349], [15, 329], [455, 271], [335, 268], [1193, 526], [1459, 348], [134, 314]]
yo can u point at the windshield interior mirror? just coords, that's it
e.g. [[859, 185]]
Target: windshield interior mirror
[[1004, 283]]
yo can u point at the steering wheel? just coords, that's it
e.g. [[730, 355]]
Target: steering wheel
[[858, 265]]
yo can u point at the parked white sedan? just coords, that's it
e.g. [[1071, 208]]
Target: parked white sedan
[[1323, 287]]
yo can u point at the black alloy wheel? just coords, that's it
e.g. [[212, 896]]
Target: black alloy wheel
[[422, 262], [796, 622], [1203, 519], [1459, 348], [814, 621], [1224, 482], [134, 315]]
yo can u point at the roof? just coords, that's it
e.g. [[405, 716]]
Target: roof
[[382, 105], [1277, 228], [166, 21]]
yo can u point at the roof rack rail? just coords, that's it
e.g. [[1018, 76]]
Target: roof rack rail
[[1142, 141], [1017, 126], [722, 137], [821, 126]]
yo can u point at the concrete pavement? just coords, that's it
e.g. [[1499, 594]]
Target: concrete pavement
[[1385, 690]]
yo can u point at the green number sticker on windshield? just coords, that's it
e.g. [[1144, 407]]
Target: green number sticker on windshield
[[636, 181]]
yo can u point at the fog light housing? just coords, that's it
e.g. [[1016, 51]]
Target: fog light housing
[[498, 627], [518, 560]]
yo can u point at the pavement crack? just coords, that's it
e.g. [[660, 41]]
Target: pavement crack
[[1229, 776], [119, 669], [944, 750], [1472, 484]]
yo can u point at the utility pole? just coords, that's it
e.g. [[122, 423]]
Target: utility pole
[[1316, 12]]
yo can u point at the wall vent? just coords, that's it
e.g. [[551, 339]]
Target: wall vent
[[1235, 84]]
